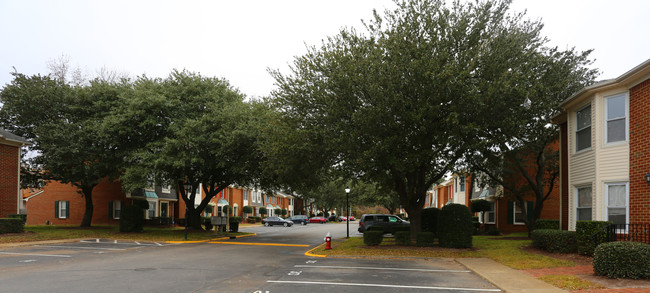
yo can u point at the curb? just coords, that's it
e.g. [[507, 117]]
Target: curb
[[308, 253], [29, 243], [208, 240]]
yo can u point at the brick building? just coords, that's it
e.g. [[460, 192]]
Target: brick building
[[10, 145], [605, 142]]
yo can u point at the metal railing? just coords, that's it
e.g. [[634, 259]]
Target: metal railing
[[623, 232]]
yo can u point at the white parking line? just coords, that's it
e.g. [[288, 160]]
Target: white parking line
[[384, 285], [80, 247], [34, 254], [388, 269]]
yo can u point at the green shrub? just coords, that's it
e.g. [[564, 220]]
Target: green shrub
[[429, 220], [226, 210], [480, 205], [19, 216], [425, 239], [207, 223], [277, 211], [547, 224], [258, 219], [622, 260], [493, 231], [132, 218], [585, 231], [283, 212], [403, 238], [250, 220], [247, 209], [263, 211], [455, 226], [553, 240], [234, 226], [373, 238], [141, 203], [12, 225], [235, 219]]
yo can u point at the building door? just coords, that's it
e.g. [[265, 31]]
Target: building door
[[164, 208]]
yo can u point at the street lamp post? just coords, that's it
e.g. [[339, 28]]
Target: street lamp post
[[188, 189], [347, 210]]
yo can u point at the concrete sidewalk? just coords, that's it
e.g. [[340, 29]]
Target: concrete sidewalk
[[507, 279]]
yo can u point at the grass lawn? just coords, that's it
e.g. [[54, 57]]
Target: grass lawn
[[502, 249], [39, 233]]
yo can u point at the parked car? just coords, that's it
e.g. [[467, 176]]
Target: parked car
[[270, 221], [352, 218], [343, 218], [317, 220], [299, 219], [387, 223]]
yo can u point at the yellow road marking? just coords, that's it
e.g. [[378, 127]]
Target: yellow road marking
[[264, 244], [309, 253]]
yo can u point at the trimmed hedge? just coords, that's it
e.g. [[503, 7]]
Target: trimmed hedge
[[584, 235], [247, 209], [373, 238], [12, 225], [547, 224], [403, 238], [455, 226], [235, 219], [132, 219], [425, 239], [207, 223], [622, 260], [554, 240], [19, 216], [429, 220]]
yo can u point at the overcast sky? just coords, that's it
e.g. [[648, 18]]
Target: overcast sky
[[239, 40]]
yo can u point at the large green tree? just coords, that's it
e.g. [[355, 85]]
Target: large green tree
[[192, 129], [65, 125], [397, 104]]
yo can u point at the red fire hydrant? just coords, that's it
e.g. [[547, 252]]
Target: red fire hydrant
[[328, 240]]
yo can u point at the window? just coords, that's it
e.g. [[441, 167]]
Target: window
[[616, 108], [167, 189], [518, 214], [245, 194], [115, 207], [461, 183], [583, 128], [235, 210], [164, 207], [584, 203], [152, 209], [62, 209], [489, 215], [617, 198]]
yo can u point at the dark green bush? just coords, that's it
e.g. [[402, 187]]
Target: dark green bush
[[373, 238], [493, 231], [553, 240], [258, 219], [455, 226], [283, 212], [425, 239], [250, 220], [622, 260], [235, 219], [207, 223], [141, 203], [132, 219], [277, 211], [226, 210], [585, 231], [12, 225], [429, 220], [547, 224], [247, 209], [403, 237], [19, 216], [234, 226], [263, 211], [480, 205]]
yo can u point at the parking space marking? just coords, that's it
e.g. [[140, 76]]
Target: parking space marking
[[384, 286], [135, 243], [388, 269], [80, 247], [264, 244], [34, 254]]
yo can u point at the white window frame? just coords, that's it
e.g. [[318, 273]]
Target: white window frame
[[152, 205], [245, 194], [117, 206], [514, 213], [577, 190], [493, 212], [625, 117], [63, 208], [627, 200], [167, 189], [578, 130]]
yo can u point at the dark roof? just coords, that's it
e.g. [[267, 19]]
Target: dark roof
[[12, 137]]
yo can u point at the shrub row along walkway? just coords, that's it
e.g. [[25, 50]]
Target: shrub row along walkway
[[584, 270]]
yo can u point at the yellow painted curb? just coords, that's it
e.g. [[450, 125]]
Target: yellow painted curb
[[225, 238], [308, 253], [182, 241], [263, 244]]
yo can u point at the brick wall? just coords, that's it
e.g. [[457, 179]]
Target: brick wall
[[40, 209], [9, 172], [639, 152]]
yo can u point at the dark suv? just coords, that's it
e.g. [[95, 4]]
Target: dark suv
[[387, 223], [302, 219]]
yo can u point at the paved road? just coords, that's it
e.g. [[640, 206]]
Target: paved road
[[247, 264]]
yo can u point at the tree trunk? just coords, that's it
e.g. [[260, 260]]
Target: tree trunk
[[196, 222], [87, 193], [414, 218]]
